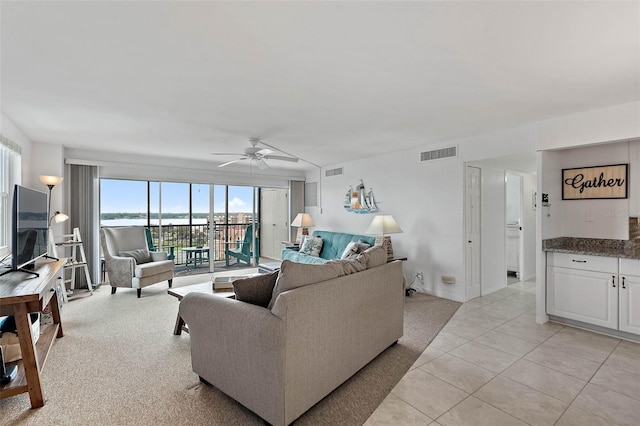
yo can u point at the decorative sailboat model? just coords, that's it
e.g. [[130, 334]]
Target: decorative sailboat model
[[359, 200]]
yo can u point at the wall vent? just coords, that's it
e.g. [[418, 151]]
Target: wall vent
[[333, 172], [311, 194], [438, 154]]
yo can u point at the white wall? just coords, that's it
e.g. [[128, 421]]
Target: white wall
[[513, 201], [589, 218], [14, 133], [152, 167], [427, 201], [615, 123]]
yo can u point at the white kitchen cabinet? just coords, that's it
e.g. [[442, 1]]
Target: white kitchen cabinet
[[629, 295], [586, 296], [598, 290]]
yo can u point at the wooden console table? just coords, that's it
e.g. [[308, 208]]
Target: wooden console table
[[20, 294]]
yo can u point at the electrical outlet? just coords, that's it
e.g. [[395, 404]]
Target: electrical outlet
[[420, 276], [448, 279]]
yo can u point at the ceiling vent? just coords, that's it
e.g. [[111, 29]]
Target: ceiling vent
[[438, 154], [333, 172]]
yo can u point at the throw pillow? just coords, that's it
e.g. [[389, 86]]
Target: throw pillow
[[350, 266], [312, 246], [374, 256], [293, 275], [255, 290], [362, 246], [140, 255], [356, 248], [350, 250]]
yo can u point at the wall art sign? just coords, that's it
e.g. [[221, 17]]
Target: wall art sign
[[595, 182]]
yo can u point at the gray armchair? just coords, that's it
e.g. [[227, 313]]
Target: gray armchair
[[129, 262]]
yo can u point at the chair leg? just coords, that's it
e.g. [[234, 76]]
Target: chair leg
[[113, 290], [170, 282], [139, 292]]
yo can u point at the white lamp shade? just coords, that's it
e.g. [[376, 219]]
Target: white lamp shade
[[303, 220], [383, 225], [50, 180], [60, 217]]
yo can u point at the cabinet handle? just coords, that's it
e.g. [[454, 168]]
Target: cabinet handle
[[613, 279], [623, 287], [579, 261]]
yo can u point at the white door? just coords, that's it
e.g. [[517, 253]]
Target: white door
[[629, 296], [472, 231], [274, 224], [586, 296]]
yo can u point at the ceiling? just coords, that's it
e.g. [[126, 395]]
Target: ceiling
[[326, 81]]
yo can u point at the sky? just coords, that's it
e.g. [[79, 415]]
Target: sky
[[130, 196]]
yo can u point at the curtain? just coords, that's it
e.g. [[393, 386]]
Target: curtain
[[84, 215], [296, 204]]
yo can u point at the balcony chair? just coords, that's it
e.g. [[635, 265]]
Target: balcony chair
[[128, 260], [152, 247], [242, 250]]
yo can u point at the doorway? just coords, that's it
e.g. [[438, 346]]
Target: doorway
[[274, 207], [513, 231]]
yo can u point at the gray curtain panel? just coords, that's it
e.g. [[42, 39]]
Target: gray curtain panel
[[84, 214]]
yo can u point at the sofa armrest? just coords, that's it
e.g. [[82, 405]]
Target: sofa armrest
[[239, 348], [120, 269]]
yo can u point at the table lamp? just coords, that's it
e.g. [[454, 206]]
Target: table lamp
[[381, 226], [302, 221]]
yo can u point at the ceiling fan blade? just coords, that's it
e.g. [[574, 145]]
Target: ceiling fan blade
[[261, 163], [280, 157], [225, 153], [233, 161]]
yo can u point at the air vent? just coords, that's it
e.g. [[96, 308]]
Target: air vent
[[438, 154], [311, 194], [333, 172]]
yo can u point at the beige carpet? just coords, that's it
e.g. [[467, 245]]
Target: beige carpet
[[120, 364]]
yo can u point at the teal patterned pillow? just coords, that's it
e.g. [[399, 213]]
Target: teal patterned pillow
[[312, 246]]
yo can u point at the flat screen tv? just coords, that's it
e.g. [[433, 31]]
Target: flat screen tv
[[29, 236]]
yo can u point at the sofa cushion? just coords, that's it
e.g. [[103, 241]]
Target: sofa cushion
[[150, 269], [293, 275], [312, 246], [334, 243], [255, 290], [374, 256], [140, 255]]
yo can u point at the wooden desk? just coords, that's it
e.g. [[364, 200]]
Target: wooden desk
[[21, 294]]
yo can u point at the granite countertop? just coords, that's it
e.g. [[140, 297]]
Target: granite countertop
[[592, 247]]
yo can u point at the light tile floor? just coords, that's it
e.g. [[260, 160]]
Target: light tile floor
[[493, 365]]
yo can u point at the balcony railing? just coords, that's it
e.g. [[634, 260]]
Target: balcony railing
[[181, 236]]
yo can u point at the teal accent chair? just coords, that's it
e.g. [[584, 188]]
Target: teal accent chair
[[152, 247], [242, 250]]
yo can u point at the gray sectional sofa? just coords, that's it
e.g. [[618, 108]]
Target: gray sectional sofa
[[326, 323], [333, 245]]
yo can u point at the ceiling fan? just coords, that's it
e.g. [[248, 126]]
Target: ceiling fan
[[254, 153]]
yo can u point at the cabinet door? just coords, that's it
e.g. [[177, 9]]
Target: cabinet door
[[587, 296], [629, 296]]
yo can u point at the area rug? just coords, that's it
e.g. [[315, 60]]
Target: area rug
[[119, 364]]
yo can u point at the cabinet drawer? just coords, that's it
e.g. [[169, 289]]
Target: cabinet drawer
[[583, 262], [630, 266]]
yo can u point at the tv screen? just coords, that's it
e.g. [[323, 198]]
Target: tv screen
[[30, 223]]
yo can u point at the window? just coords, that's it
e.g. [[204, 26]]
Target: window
[[9, 175]]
